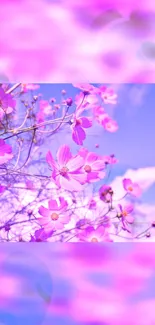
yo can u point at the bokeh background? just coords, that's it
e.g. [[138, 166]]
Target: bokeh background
[[81, 284], [69, 40]]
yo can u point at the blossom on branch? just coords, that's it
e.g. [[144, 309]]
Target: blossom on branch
[[55, 216], [5, 152], [131, 188], [67, 172]]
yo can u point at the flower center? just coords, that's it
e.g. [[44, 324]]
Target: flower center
[[124, 213], [87, 169], [130, 188], [54, 216], [94, 240], [78, 122], [63, 171]]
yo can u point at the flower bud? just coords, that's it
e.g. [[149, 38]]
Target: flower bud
[[69, 101]]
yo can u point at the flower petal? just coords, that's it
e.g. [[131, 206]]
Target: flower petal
[[63, 155]]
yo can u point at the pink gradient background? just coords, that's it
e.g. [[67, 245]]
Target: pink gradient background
[[86, 41]]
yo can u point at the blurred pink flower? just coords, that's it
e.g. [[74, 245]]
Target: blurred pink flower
[[109, 124], [41, 235], [45, 107], [5, 152], [131, 188], [90, 234], [67, 171], [55, 216], [86, 88], [7, 103], [110, 159], [26, 87], [104, 119], [108, 95]]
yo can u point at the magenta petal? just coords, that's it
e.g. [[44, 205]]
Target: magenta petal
[[126, 182], [83, 152], [93, 176], [75, 163], [130, 219], [129, 208], [70, 185], [81, 178], [91, 157], [52, 205], [63, 204], [78, 135], [50, 160], [136, 190], [100, 231], [43, 211], [64, 155], [85, 122], [120, 207], [65, 219], [98, 165]]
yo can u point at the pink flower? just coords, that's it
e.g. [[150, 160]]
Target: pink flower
[[5, 152], [93, 165], [41, 236], [86, 88], [108, 95], [90, 234], [104, 119], [7, 103], [105, 193], [78, 126], [40, 117], [67, 171], [45, 107], [69, 101], [125, 216], [109, 124], [55, 216], [110, 159], [81, 102], [131, 188], [26, 87]]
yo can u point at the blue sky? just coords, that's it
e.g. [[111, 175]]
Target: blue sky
[[133, 142]]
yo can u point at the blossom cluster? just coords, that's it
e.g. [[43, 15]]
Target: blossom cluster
[[50, 193]]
